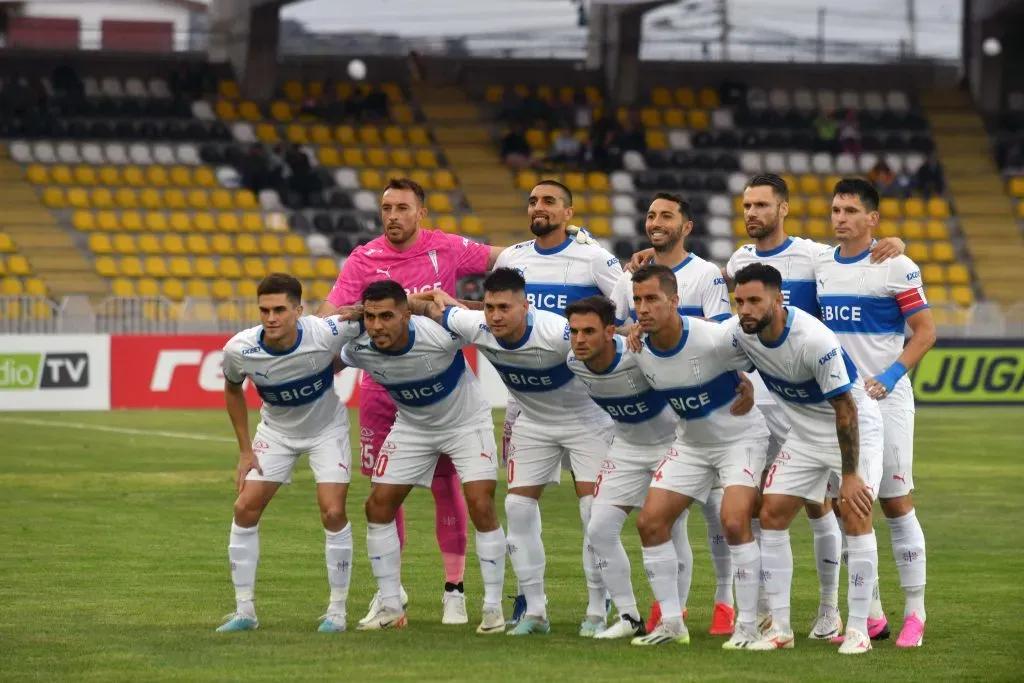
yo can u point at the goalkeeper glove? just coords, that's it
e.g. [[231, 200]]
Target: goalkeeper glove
[[581, 235]]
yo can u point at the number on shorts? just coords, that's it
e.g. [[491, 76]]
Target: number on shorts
[[382, 464], [771, 475], [511, 471], [597, 484], [366, 455]]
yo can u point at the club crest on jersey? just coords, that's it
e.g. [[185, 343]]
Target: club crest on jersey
[[695, 369], [432, 254]]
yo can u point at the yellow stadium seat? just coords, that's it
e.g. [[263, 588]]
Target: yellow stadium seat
[[110, 175], [830, 183], [134, 176], [37, 174], [650, 117], [790, 180], [54, 198], [99, 243], [302, 268], [326, 267], [123, 287], [810, 185], [229, 267], [887, 228], [377, 157], [108, 221], [205, 267], [83, 220], [106, 266], [222, 244], [204, 177], [131, 221], [739, 227], [913, 230], [958, 274], [937, 230], [1016, 186], [157, 221], [425, 158], [35, 287], [819, 207], [403, 114], [247, 289], [78, 198], [174, 198], [245, 200], [126, 198], [180, 266], [252, 222], [151, 199], [472, 225], [157, 176], [297, 134], [656, 140], [402, 158], [227, 311], [797, 206], [228, 90], [60, 174], [277, 265], [221, 199], [197, 244], [222, 289], [181, 176], [18, 265], [369, 136], [438, 202], [661, 97], [246, 244], [149, 244], [371, 179], [685, 97], [173, 244], [173, 289], [918, 252], [419, 175], [943, 252], [493, 94], [418, 137], [598, 181], [101, 198], [11, 286], [321, 135], [443, 179], [599, 227], [600, 205], [197, 288], [294, 91], [737, 205], [85, 175], [155, 266], [699, 119], [328, 157], [933, 274], [345, 135], [267, 132], [527, 180], [201, 221], [818, 229], [581, 206], [913, 208], [446, 223], [124, 244], [963, 296], [131, 266], [198, 199], [281, 111], [938, 208], [938, 296], [269, 245], [294, 245], [253, 268], [226, 110], [575, 181], [674, 118], [353, 156], [394, 136]]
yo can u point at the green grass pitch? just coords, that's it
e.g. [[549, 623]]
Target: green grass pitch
[[113, 567]]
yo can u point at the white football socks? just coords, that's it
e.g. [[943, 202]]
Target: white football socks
[[591, 565], [908, 551], [385, 554], [684, 557], [338, 552], [863, 574], [777, 574], [746, 561], [719, 547], [662, 568], [244, 555], [526, 550], [762, 596], [490, 550], [605, 532], [827, 543]]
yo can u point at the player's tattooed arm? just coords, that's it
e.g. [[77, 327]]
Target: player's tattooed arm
[[847, 430]]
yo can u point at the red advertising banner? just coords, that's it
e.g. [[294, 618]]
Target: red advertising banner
[[184, 371]]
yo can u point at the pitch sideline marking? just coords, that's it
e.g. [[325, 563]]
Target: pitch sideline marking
[[115, 430]]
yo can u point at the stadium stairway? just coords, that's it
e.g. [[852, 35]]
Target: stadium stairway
[[465, 137], [49, 248], [986, 217]]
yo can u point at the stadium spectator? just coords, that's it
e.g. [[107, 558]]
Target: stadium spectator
[[66, 80], [849, 134], [827, 129], [929, 179], [1013, 160], [566, 149], [632, 136], [515, 150], [884, 180], [376, 105]]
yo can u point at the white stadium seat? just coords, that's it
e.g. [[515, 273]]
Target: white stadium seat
[[846, 164], [188, 154], [21, 151], [720, 249], [799, 162], [778, 98], [139, 154], [737, 182], [158, 88], [622, 181], [897, 100], [757, 99], [134, 87], [347, 179], [913, 161], [826, 99], [229, 177], [720, 205], [318, 245], [803, 100], [719, 226], [111, 87], [750, 163], [163, 154], [722, 119], [44, 152], [92, 154], [365, 201], [633, 160], [202, 110], [873, 101], [68, 153], [822, 163], [624, 226], [622, 204], [243, 132], [866, 162], [270, 201], [679, 139], [775, 162], [849, 99], [92, 87], [115, 153]]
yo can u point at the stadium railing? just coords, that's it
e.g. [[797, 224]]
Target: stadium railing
[[161, 316]]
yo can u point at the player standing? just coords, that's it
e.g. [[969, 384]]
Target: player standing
[[765, 208], [868, 306], [684, 359], [703, 294], [419, 259], [559, 270], [441, 409], [529, 349], [835, 430], [289, 358]]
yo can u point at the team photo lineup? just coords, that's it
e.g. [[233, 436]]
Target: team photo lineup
[[648, 385]]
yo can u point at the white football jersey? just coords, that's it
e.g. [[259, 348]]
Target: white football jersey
[[796, 260], [702, 292], [534, 369], [699, 379], [428, 380], [559, 276], [805, 367], [641, 415], [295, 385], [866, 304]]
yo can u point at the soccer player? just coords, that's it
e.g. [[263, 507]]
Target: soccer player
[[558, 270], [868, 306], [441, 409], [835, 429], [765, 209], [419, 259], [289, 358], [644, 429], [703, 294], [689, 361], [529, 350]]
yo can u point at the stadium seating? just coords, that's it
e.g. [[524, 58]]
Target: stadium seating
[[1009, 148], [705, 144]]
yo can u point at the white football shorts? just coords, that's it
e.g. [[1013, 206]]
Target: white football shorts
[[536, 450], [626, 473], [409, 455], [330, 455], [693, 470]]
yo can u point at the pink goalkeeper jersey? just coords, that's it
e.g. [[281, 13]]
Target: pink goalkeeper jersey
[[438, 260]]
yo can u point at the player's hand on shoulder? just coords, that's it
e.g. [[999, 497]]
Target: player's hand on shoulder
[[887, 248], [634, 338], [640, 258], [247, 461], [354, 312], [744, 402]]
